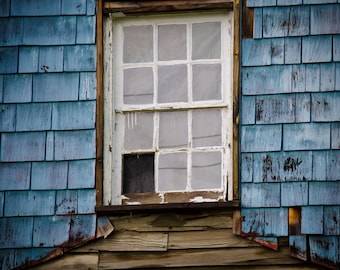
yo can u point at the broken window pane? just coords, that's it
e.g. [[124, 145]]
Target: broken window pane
[[206, 170], [138, 85], [206, 82], [206, 128], [206, 40], [172, 173], [138, 173], [172, 42], [173, 129], [138, 131], [172, 84], [138, 44]]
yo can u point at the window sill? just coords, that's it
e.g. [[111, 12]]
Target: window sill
[[166, 207]]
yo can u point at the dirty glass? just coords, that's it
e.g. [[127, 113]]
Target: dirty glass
[[173, 129], [172, 42], [172, 84], [206, 82], [206, 128], [138, 44], [206, 170], [172, 173], [138, 85], [138, 131], [206, 40]]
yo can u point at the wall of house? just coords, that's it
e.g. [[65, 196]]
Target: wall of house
[[47, 125], [290, 126]]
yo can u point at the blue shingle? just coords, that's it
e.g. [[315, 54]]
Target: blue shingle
[[27, 146], [83, 228], [312, 78], [276, 221], [71, 145], [253, 221], [7, 117], [81, 174], [298, 246], [51, 59], [325, 249], [299, 21], [67, 202], [324, 193], [1, 87], [331, 220], [2, 203], [325, 19], [293, 50], [49, 175], [8, 60], [29, 203], [298, 78], [306, 136], [37, 30], [256, 52], [280, 167], [261, 138], [327, 75], [86, 201], [316, 49], [335, 135], [87, 88], [80, 58], [51, 231], [326, 165], [35, 8], [258, 14], [50, 146], [73, 115], [91, 7], [275, 109], [33, 117], [288, 2], [277, 51], [15, 176], [5, 7], [275, 21], [248, 110], [326, 107], [18, 88], [16, 232], [73, 7], [336, 48], [302, 108], [260, 194], [337, 76], [308, 2], [266, 80], [11, 31], [246, 168], [294, 193], [312, 220], [260, 3], [28, 59], [55, 87], [86, 26]]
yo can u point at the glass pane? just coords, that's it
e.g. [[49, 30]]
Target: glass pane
[[172, 84], [138, 85], [206, 40], [138, 175], [138, 44], [206, 128], [206, 82], [172, 42], [172, 174], [173, 129], [206, 170], [138, 131]]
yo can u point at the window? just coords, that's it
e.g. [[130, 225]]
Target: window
[[168, 91]]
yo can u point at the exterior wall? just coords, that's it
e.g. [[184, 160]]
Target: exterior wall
[[47, 125], [290, 126]]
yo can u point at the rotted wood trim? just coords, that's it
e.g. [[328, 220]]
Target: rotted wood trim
[[165, 5]]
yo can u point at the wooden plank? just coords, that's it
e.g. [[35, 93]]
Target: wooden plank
[[129, 241], [71, 261], [207, 239]]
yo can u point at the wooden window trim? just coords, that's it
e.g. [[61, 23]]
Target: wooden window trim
[[127, 7]]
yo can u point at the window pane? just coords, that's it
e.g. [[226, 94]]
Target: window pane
[[206, 170], [173, 129], [172, 174], [172, 42], [138, 175], [206, 82], [138, 85], [206, 128], [206, 40], [172, 84], [138, 131], [138, 44]]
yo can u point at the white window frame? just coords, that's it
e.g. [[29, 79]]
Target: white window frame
[[113, 103]]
